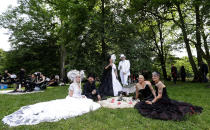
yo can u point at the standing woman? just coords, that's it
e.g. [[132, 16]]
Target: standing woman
[[110, 86], [164, 108]]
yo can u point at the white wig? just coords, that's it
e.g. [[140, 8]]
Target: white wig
[[74, 73], [113, 57]]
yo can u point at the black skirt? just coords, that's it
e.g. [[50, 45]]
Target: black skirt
[[167, 109]]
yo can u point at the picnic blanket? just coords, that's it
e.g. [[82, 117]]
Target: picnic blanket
[[113, 103]]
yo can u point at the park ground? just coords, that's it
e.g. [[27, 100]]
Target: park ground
[[106, 119]]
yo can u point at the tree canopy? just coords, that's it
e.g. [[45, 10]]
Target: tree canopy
[[54, 36]]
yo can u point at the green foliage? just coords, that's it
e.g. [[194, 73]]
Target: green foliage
[[34, 59], [2, 60], [79, 33]]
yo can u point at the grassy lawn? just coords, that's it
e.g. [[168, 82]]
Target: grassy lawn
[[129, 119]]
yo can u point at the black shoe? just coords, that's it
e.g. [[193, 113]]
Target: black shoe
[[103, 98]]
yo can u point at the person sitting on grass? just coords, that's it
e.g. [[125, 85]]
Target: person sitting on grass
[[30, 84], [6, 76], [41, 81], [144, 90], [89, 89], [54, 81], [164, 108]]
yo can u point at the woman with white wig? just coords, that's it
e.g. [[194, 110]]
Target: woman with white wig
[[110, 86], [73, 105]]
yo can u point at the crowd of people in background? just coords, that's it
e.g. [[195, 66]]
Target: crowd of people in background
[[174, 73], [36, 81]]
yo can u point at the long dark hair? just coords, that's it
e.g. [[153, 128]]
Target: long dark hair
[[108, 58]]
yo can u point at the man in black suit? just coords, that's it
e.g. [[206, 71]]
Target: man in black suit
[[89, 89]]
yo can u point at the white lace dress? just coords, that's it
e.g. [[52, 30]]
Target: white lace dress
[[115, 82], [52, 111]]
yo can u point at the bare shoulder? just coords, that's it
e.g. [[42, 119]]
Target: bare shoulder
[[148, 82], [138, 86], [160, 85]]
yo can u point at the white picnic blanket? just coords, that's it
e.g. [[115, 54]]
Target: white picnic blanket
[[113, 103]]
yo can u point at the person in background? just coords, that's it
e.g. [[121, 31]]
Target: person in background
[[54, 81], [174, 73], [41, 82], [183, 73], [1, 78], [89, 89], [31, 83], [6, 76], [21, 77], [204, 70]]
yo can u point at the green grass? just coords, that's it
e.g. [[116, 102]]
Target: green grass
[[102, 119]]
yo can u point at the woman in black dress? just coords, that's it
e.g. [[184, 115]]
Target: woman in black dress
[[164, 108], [144, 90]]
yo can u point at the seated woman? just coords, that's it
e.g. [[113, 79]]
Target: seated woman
[[144, 90], [164, 108], [73, 105]]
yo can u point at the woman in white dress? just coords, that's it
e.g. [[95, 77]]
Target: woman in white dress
[[73, 105], [110, 85]]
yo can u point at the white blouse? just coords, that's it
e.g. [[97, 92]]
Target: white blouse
[[77, 91]]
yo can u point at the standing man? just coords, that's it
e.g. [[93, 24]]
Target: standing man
[[124, 68], [174, 73]]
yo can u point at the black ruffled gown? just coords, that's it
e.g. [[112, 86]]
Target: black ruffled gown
[[145, 94], [166, 108], [106, 87]]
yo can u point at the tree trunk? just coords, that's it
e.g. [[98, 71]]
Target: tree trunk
[[160, 51], [103, 31], [198, 39], [163, 67], [162, 56], [186, 40], [206, 54], [62, 61]]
